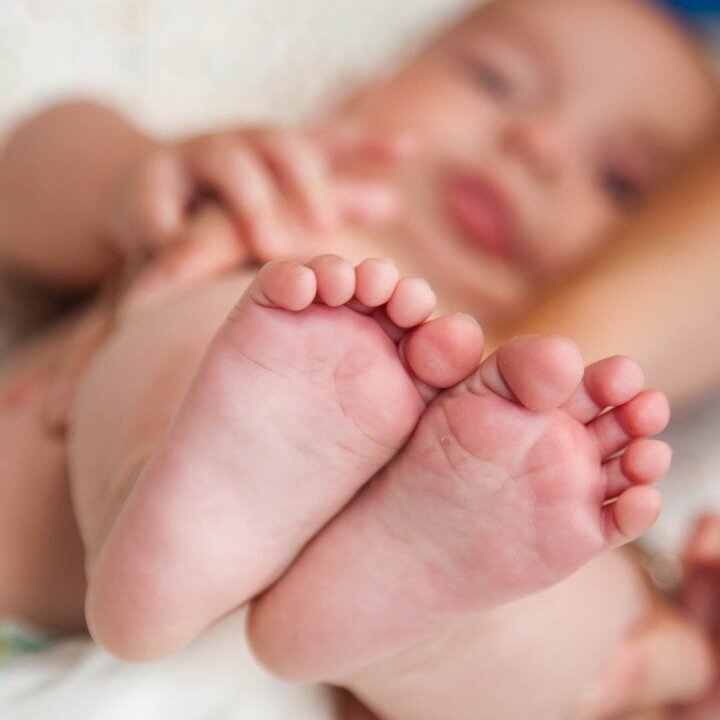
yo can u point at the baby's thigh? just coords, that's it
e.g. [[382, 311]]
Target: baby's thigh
[[129, 392], [555, 645], [41, 560], [535, 658]]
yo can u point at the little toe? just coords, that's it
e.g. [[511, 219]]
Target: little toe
[[606, 383], [540, 372], [631, 515], [643, 463], [412, 302], [375, 281], [646, 414], [335, 279], [444, 351], [284, 284]]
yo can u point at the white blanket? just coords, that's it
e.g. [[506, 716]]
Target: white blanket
[[214, 679]]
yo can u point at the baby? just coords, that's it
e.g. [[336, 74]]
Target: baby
[[320, 444]]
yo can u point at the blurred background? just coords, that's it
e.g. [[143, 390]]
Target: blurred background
[[181, 66]]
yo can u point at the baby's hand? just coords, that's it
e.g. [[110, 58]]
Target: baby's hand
[[218, 201], [275, 186]]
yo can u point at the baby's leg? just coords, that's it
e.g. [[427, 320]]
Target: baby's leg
[[535, 658], [562, 653], [510, 482], [293, 406]]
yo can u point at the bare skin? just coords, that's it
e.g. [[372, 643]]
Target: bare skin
[[41, 544], [279, 355], [176, 374], [671, 244], [198, 316]]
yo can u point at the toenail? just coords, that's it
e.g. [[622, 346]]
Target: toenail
[[468, 317], [423, 281]]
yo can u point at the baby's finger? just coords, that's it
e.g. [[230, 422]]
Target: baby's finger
[[350, 142], [151, 210], [207, 247], [369, 203], [238, 177], [304, 171]]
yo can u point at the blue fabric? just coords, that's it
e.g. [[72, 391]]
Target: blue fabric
[[702, 17], [696, 9]]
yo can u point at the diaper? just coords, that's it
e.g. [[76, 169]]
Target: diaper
[[16, 639]]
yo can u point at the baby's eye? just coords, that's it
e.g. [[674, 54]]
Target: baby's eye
[[490, 79], [620, 187]]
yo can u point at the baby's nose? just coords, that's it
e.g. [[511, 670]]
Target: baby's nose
[[539, 142]]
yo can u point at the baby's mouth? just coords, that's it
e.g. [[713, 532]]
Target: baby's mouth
[[480, 210]]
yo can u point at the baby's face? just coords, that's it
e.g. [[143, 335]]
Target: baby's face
[[541, 124]]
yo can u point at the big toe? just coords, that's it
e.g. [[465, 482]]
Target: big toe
[[538, 371], [443, 352]]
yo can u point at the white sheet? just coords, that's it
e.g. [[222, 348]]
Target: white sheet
[[214, 679]]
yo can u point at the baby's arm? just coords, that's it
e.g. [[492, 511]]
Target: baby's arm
[[655, 295], [57, 171], [81, 189]]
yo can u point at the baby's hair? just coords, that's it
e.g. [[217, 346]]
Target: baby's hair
[[701, 18]]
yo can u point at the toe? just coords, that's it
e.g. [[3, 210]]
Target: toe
[[335, 279], [375, 281], [646, 414], [443, 352], [607, 383], [284, 284], [540, 372], [631, 515], [643, 463], [412, 302]]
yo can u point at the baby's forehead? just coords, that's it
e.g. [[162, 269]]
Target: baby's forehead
[[620, 51]]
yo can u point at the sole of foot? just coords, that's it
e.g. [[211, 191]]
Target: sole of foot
[[316, 379], [512, 480]]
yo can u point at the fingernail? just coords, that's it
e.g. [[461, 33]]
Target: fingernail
[[469, 317]]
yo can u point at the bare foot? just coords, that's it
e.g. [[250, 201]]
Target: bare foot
[[509, 484], [299, 400]]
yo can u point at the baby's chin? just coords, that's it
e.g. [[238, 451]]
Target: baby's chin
[[491, 289]]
